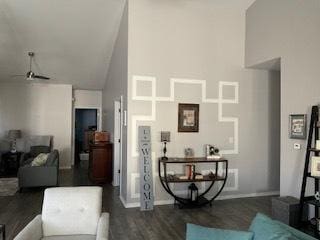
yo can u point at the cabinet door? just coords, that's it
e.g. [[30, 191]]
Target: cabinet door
[[99, 168]]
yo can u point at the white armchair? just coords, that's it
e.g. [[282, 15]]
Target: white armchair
[[69, 213]]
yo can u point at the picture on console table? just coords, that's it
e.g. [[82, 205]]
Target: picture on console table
[[188, 117], [298, 126]]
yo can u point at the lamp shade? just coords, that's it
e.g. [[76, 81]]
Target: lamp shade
[[14, 134], [165, 136]]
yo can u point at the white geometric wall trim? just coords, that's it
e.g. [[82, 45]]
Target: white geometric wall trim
[[153, 99]]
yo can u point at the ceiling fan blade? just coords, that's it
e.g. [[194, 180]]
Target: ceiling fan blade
[[41, 77], [18, 75]]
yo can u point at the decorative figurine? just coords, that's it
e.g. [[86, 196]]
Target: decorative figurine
[[188, 153], [317, 196], [212, 152]]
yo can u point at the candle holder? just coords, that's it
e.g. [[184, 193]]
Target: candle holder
[[193, 192], [165, 138]]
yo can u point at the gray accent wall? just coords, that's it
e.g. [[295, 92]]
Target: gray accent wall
[[199, 46], [116, 86], [288, 29]]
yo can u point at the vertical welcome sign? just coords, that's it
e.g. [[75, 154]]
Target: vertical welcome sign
[[146, 179]]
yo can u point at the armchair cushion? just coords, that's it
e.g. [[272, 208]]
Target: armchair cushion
[[61, 206], [103, 227]]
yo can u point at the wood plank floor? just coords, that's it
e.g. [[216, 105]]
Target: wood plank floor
[[165, 222]]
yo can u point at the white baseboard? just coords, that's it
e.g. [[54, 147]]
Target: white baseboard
[[234, 196], [262, 194]]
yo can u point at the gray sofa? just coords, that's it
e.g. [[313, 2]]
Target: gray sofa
[[39, 176]]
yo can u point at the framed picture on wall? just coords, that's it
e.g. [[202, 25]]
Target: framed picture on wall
[[188, 117], [298, 126], [315, 166]]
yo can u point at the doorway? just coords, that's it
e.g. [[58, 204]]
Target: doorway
[[86, 122]]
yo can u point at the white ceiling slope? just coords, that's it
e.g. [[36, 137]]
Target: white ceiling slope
[[72, 39]]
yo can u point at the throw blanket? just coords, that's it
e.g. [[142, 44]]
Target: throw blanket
[[40, 160]]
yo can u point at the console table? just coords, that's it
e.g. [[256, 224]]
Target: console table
[[218, 165]]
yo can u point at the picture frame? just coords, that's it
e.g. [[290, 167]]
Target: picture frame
[[315, 166], [188, 117], [298, 126]]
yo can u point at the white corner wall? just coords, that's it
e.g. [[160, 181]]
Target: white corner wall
[[39, 109], [116, 86], [288, 29]]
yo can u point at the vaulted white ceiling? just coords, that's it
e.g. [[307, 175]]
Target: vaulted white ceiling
[[72, 39]]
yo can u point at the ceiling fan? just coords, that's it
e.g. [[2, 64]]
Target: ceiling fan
[[30, 74]]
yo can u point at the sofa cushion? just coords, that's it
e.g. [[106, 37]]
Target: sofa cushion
[[300, 235], [71, 237], [195, 232], [40, 160], [264, 228], [71, 210], [53, 158], [36, 150]]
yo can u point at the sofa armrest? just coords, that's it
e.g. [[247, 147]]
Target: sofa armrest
[[103, 227], [33, 231]]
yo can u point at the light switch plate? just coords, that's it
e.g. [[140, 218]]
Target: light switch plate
[[297, 146]]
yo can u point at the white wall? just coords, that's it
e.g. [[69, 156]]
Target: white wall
[[288, 29], [39, 109], [202, 45], [116, 86], [87, 99]]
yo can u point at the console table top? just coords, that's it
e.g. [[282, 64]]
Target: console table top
[[191, 160]]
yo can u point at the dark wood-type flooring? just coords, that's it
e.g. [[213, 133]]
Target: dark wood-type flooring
[[165, 222]]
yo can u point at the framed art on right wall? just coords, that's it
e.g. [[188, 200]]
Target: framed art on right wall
[[298, 126], [315, 166]]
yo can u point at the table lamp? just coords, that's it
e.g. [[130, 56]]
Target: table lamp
[[13, 136], [165, 138]]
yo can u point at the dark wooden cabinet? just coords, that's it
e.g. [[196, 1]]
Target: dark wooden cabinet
[[100, 162], [9, 164]]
